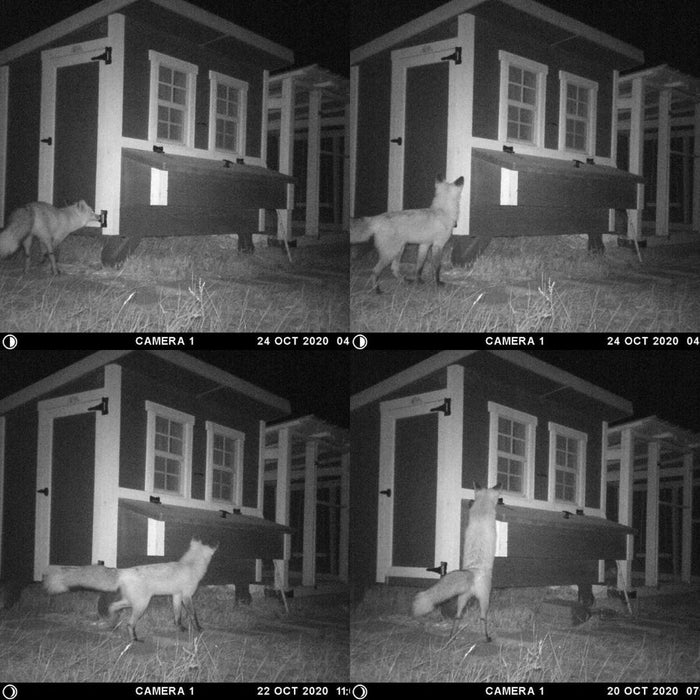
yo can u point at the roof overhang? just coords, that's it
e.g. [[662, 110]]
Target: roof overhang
[[519, 359], [108, 7], [104, 357], [570, 27]]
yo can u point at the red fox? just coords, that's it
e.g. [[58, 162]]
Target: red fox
[[47, 224], [139, 583], [479, 550], [427, 227]]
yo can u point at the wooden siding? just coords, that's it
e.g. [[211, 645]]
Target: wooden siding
[[483, 385], [23, 135], [547, 549], [203, 196], [140, 38], [241, 540], [373, 113], [490, 37], [21, 429], [364, 490], [243, 414]]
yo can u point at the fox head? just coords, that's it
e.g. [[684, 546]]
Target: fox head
[[84, 208]]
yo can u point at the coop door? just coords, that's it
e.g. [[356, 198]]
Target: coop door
[[409, 508], [68, 130], [419, 123], [65, 481]]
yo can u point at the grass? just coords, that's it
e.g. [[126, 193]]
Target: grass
[[181, 284], [387, 645], [538, 284], [61, 639]]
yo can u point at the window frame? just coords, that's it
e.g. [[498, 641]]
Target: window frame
[[497, 411], [191, 70], [556, 429], [507, 60], [216, 78], [566, 79], [238, 436], [154, 410]]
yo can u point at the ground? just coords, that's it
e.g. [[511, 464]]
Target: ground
[[62, 639], [182, 284], [538, 284], [533, 640]]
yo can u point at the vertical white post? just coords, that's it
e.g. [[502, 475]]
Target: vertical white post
[[624, 509], [687, 529], [449, 473], [284, 223], [663, 164], [634, 216], [651, 560], [4, 124], [284, 478], [308, 573], [313, 164], [344, 544], [351, 145]]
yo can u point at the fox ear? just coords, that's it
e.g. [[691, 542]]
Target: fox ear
[[459, 181], [477, 486], [439, 178]]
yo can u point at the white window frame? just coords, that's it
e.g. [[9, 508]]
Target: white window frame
[[152, 410], [566, 79], [242, 87], [582, 438], [239, 438], [497, 411], [190, 69], [540, 69]]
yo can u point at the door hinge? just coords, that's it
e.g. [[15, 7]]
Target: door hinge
[[102, 407], [456, 56], [106, 56], [446, 408]]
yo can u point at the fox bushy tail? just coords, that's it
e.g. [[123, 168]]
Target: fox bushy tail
[[60, 579]]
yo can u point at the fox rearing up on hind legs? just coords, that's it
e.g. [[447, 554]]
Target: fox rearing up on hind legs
[[479, 551], [138, 584]]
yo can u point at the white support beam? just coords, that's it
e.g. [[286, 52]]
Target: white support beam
[[282, 498], [687, 529], [313, 164], [651, 556], [624, 508], [344, 544], [636, 158], [663, 164], [286, 164], [308, 571]]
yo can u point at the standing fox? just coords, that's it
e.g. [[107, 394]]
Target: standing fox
[[428, 227], [138, 584], [479, 550], [47, 224]]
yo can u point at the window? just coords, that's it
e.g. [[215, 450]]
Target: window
[[172, 100], [522, 100], [224, 463], [169, 450], [567, 459], [577, 112], [512, 450], [227, 113]]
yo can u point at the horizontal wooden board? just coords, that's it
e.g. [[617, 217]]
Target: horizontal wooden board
[[535, 221]]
